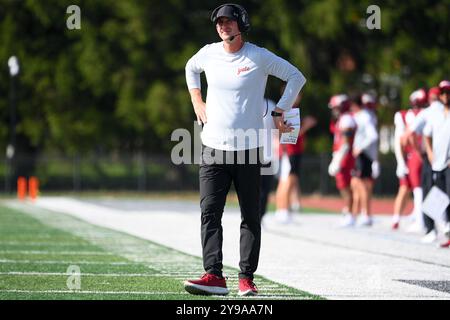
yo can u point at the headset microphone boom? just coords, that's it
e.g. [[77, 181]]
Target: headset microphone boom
[[231, 38]]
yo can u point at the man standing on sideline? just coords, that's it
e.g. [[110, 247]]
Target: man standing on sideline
[[437, 145], [342, 163], [418, 126], [269, 156], [236, 72], [288, 189], [370, 104], [365, 152], [409, 160]]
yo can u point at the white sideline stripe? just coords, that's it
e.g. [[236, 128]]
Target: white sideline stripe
[[83, 253], [271, 297], [69, 262], [168, 274], [33, 243], [94, 292], [20, 273], [281, 290]]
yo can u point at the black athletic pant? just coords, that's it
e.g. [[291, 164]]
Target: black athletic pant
[[427, 183], [441, 180], [215, 182]]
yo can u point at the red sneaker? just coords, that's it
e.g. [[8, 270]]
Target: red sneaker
[[395, 225], [247, 287], [445, 244], [208, 284]]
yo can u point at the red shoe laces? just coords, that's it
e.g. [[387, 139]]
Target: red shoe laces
[[207, 276]]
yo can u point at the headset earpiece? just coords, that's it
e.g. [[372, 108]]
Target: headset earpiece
[[244, 19]]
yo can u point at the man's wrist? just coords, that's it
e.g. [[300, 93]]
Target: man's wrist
[[276, 114]]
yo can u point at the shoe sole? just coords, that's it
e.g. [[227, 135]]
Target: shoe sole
[[204, 290], [248, 293]]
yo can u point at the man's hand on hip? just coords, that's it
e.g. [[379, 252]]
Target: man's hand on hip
[[200, 111], [199, 105]]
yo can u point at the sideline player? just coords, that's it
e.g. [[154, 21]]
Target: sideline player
[[369, 102], [271, 145], [437, 143], [365, 151], [288, 189], [409, 160], [343, 128], [417, 126]]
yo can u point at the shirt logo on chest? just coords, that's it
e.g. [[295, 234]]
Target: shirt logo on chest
[[243, 69]]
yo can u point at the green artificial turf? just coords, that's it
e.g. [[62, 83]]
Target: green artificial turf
[[39, 248]]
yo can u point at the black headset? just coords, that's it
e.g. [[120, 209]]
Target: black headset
[[243, 19]]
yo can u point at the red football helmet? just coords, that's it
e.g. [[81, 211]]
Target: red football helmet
[[418, 98], [433, 94], [444, 85], [369, 101], [339, 102]]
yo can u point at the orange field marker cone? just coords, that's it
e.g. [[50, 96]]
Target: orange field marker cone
[[21, 188], [33, 188]]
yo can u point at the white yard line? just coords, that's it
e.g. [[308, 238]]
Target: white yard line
[[285, 296], [81, 253], [82, 274], [12, 261], [95, 292], [37, 244]]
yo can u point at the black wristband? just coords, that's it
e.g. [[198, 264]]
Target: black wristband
[[276, 114]]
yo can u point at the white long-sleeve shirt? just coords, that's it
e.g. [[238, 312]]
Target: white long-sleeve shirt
[[438, 128], [236, 86], [422, 118], [366, 135]]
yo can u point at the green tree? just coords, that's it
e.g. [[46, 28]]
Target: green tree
[[118, 83]]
